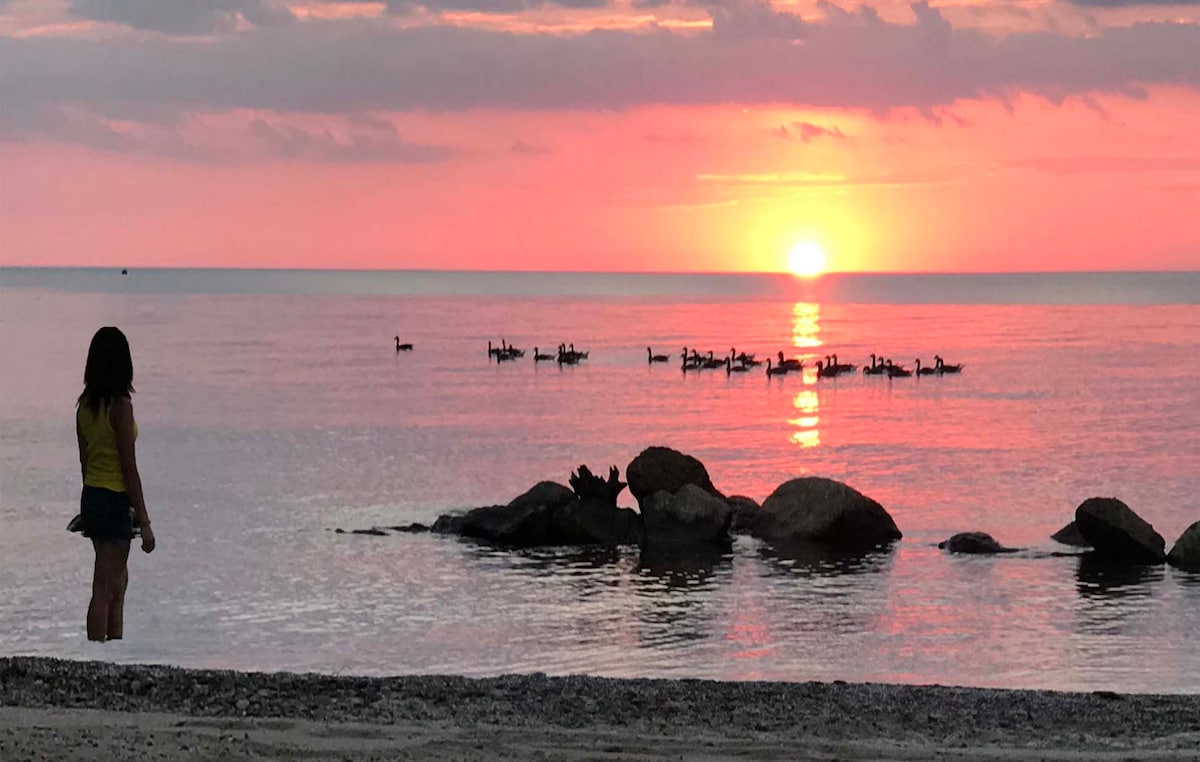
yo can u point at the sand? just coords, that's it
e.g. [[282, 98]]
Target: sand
[[52, 709]]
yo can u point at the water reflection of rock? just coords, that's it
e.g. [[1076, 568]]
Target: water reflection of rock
[[813, 559], [675, 595], [1098, 576], [1114, 597]]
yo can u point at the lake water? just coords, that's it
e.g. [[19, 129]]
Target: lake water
[[273, 409]]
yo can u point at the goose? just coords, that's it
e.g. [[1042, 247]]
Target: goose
[[403, 347], [776, 371], [790, 364], [926, 371], [942, 367], [842, 367], [730, 368], [651, 357], [541, 357], [897, 371]]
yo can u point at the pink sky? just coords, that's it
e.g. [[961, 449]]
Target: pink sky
[[706, 135]]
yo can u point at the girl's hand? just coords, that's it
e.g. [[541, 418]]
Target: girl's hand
[[147, 539]]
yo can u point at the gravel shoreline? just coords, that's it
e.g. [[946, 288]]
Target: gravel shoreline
[[796, 715]]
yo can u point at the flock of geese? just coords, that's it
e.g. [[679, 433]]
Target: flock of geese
[[735, 362], [829, 367]]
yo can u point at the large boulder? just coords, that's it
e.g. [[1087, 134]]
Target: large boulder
[[547, 514], [1070, 535], [745, 511], [1117, 533], [975, 543], [812, 510], [1186, 553], [661, 469], [689, 517]]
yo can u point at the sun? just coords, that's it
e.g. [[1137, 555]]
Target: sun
[[806, 260]]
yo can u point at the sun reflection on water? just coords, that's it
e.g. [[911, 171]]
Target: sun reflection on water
[[806, 329]]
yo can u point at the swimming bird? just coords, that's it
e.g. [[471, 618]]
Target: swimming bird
[[775, 371], [841, 367], [790, 363], [730, 368], [541, 357], [877, 367], [897, 371], [925, 371], [942, 367], [826, 371], [712, 362], [403, 347], [651, 357]]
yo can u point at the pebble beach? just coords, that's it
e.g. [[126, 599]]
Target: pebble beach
[[56, 709]]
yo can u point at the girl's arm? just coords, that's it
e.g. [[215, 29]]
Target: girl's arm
[[82, 450], [120, 415]]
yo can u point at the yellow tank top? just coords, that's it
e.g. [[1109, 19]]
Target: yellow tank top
[[103, 464]]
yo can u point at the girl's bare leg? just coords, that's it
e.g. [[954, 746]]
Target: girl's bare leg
[[106, 612]]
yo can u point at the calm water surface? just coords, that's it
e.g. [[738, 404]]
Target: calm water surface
[[273, 409]]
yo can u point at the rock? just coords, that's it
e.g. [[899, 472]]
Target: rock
[[691, 516], [1117, 533], [1069, 535], [745, 511], [376, 531], [413, 528], [974, 542], [547, 514], [448, 523], [661, 469], [1186, 553], [812, 509]]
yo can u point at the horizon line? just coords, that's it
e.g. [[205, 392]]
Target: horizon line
[[464, 271]]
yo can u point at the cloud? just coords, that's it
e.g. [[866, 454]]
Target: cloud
[[807, 131], [183, 16], [1129, 3], [522, 148], [1107, 165], [851, 59], [359, 139]]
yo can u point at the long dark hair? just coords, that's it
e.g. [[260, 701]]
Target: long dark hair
[[109, 370]]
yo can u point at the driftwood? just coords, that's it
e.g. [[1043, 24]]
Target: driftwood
[[589, 487]]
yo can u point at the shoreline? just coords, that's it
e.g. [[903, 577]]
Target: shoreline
[[77, 710]]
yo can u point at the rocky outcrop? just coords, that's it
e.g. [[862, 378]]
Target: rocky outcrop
[[826, 512], [745, 511], [974, 542], [661, 469], [1117, 533], [547, 514], [1070, 535], [690, 517], [1186, 553]]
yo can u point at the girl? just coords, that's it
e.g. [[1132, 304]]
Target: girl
[[106, 431]]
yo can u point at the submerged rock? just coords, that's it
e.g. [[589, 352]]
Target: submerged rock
[[974, 542], [1070, 535], [661, 469], [745, 512], [413, 528], [812, 509], [1117, 533], [1186, 553], [547, 514], [691, 516]]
